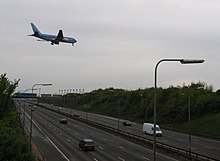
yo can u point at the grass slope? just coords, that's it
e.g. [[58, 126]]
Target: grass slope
[[208, 125]]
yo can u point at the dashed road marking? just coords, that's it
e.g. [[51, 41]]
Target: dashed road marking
[[121, 147], [50, 140], [120, 159], [100, 147], [145, 158]]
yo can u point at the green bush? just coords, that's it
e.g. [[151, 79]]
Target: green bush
[[13, 144]]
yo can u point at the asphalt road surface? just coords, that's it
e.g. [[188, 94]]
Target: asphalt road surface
[[62, 140], [204, 146]]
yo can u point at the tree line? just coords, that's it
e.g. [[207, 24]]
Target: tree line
[[13, 143], [172, 103], [7, 88]]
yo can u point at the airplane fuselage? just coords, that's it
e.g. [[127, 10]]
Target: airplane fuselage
[[52, 38], [55, 39]]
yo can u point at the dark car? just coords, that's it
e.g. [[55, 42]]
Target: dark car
[[63, 121], [87, 144], [76, 115], [127, 123]]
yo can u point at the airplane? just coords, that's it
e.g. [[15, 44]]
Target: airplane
[[52, 38]]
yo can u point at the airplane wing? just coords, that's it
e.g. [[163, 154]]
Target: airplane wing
[[60, 35]]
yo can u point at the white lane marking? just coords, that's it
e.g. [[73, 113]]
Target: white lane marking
[[68, 140], [207, 147], [95, 159], [121, 147], [49, 140], [146, 158], [100, 147], [120, 159]]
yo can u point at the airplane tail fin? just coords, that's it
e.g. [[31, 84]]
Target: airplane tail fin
[[35, 30]]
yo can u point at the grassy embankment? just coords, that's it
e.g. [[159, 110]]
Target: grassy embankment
[[207, 126]]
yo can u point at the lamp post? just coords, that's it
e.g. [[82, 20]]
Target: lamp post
[[29, 89], [189, 117], [43, 84], [31, 128], [182, 61], [189, 123]]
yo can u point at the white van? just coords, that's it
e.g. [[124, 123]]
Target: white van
[[148, 128]]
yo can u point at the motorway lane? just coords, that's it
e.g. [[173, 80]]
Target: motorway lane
[[199, 145], [44, 145], [108, 147]]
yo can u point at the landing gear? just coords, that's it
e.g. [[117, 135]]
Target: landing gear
[[54, 42], [72, 44]]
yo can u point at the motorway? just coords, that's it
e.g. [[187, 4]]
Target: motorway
[[62, 140], [204, 146]]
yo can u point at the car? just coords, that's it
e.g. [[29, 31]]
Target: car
[[63, 121], [87, 144], [127, 123], [76, 115]]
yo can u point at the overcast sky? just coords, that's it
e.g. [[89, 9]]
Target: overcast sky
[[119, 43]]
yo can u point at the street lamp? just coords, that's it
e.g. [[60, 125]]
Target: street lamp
[[43, 84], [182, 61], [189, 117], [29, 89]]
